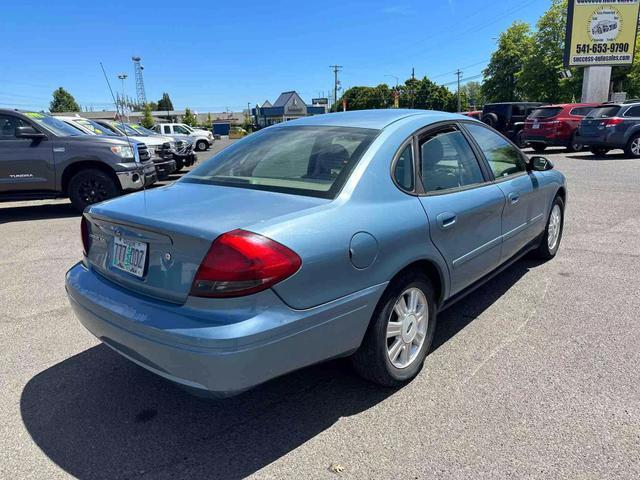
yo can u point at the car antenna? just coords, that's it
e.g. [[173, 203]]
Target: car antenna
[[124, 130]]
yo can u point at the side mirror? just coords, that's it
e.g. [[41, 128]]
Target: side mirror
[[539, 164], [29, 132]]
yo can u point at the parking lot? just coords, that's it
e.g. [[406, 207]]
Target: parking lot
[[534, 375]]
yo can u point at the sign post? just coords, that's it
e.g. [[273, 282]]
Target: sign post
[[600, 34]]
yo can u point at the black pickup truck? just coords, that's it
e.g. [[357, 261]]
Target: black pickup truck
[[43, 157]]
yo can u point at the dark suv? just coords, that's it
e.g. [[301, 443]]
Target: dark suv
[[43, 157], [508, 118], [612, 125]]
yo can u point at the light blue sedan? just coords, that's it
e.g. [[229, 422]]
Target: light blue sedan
[[335, 235]]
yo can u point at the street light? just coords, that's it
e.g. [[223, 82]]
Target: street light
[[122, 77]]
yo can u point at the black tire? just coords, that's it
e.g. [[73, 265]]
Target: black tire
[[202, 145], [490, 119], [574, 146], [179, 165], [91, 186], [371, 361], [519, 139], [546, 251], [599, 151], [538, 147], [629, 147]]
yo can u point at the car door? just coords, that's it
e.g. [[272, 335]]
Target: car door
[[25, 164], [523, 215], [463, 206]]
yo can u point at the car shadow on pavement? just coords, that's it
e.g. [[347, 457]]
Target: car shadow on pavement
[[97, 415], [37, 212]]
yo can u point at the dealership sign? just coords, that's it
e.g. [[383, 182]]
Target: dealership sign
[[601, 32]]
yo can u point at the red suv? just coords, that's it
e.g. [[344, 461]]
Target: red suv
[[555, 125]]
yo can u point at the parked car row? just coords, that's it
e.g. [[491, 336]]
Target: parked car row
[[599, 127], [169, 153], [42, 156]]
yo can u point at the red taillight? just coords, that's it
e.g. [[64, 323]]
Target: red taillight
[[240, 262], [84, 231], [612, 122]]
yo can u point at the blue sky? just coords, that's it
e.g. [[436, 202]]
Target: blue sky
[[210, 55]]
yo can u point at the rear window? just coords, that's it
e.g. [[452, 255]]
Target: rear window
[[604, 112], [306, 160], [580, 111], [547, 112]]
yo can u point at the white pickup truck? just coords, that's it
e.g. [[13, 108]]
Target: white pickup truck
[[202, 139]]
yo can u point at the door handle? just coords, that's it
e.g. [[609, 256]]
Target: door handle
[[446, 220], [514, 197]]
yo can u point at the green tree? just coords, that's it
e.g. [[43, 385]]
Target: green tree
[[147, 119], [189, 118], [63, 101], [540, 77], [165, 102], [365, 98], [426, 94], [473, 92], [502, 72]]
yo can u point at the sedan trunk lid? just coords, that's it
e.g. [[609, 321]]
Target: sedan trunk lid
[[175, 226]]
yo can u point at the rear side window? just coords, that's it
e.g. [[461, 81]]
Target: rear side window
[[447, 161], [633, 112], [167, 129], [604, 112], [547, 112], [518, 110], [580, 111], [503, 157], [311, 160], [403, 172]]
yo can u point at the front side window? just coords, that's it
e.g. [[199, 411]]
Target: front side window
[[447, 161], [181, 129], [503, 157], [8, 126], [167, 129], [314, 161], [403, 172]]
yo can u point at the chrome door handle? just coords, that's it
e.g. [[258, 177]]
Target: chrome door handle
[[514, 197], [446, 220]]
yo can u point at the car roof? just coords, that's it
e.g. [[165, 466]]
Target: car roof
[[375, 119]]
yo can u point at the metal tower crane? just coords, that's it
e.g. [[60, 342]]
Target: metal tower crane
[[137, 67]]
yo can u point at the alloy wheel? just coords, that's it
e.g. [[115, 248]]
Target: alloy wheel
[[407, 327], [92, 191], [635, 147], [555, 223]]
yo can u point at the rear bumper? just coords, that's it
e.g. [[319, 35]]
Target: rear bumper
[[550, 142], [606, 139], [239, 344]]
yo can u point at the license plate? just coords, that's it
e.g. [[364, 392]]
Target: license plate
[[536, 126], [130, 256]]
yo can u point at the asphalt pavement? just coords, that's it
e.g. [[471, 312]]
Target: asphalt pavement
[[534, 375]]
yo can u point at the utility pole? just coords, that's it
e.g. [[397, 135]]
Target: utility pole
[[336, 69], [458, 74], [413, 78]]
